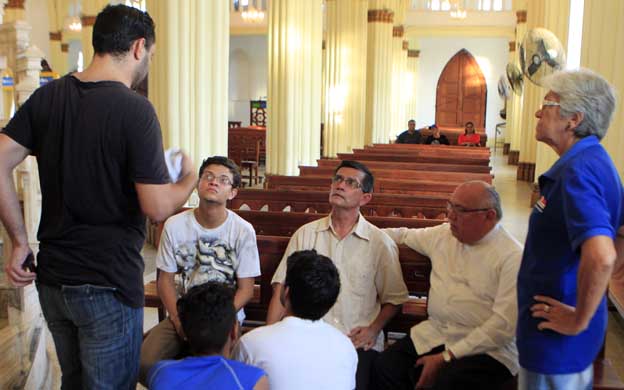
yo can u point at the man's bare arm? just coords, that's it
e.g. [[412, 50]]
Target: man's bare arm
[[244, 292], [169, 296], [11, 154], [159, 201], [276, 310]]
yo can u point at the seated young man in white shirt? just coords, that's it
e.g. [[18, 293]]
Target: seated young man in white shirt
[[468, 341], [302, 351], [206, 244]]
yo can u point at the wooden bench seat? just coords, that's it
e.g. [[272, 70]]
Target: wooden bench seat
[[364, 157], [465, 149], [430, 206], [415, 166], [271, 223], [319, 183], [403, 174]]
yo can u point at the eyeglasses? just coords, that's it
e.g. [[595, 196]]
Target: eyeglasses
[[462, 210], [351, 182], [223, 180], [550, 103]]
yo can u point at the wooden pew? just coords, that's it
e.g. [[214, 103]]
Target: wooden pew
[[431, 206], [410, 148], [403, 175], [319, 183], [415, 158], [415, 166], [275, 223]]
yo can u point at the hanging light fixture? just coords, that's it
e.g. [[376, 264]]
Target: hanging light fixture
[[251, 13], [457, 11], [72, 21]]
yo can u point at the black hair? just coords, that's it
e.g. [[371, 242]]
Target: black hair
[[411, 120], [118, 26], [226, 162], [207, 315], [313, 282], [369, 180]]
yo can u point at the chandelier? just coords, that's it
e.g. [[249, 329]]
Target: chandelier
[[456, 10], [251, 11]]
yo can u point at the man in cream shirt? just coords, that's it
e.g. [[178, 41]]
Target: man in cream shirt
[[468, 340], [367, 259]]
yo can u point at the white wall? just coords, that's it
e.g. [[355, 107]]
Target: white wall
[[248, 74], [491, 54]]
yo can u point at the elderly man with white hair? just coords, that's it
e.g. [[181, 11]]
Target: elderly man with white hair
[[569, 253], [467, 342]]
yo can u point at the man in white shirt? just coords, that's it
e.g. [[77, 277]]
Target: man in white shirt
[[368, 260], [206, 244], [468, 340], [302, 351]]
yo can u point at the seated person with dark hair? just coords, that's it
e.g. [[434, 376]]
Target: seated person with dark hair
[[209, 322], [409, 136], [436, 138], [302, 351], [470, 136]]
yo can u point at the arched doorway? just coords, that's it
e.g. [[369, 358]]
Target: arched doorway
[[461, 93]]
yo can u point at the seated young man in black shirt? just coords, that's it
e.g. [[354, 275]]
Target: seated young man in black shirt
[[409, 136]]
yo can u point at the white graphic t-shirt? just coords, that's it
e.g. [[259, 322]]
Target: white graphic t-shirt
[[203, 255]]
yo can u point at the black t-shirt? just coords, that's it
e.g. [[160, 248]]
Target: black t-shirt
[[407, 138], [431, 140], [92, 142]]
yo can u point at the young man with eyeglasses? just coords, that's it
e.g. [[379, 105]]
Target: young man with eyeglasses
[[367, 259], [207, 244], [467, 342]]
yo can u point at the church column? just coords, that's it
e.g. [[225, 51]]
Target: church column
[[556, 19], [606, 57], [90, 9], [410, 87], [188, 80], [514, 105], [399, 71], [345, 75], [379, 76], [531, 100], [294, 85], [56, 15]]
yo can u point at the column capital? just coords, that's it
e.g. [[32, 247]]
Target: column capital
[[87, 20], [413, 53], [521, 16], [56, 35], [512, 46], [405, 45], [380, 15], [65, 47], [398, 31]]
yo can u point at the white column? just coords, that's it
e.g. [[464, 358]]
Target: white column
[[411, 87], [379, 76], [294, 87], [345, 75], [189, 75]]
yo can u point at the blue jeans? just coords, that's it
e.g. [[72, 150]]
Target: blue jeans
[[97, 338], [529, 380]]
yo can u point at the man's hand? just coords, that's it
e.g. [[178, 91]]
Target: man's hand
[[431, 366], [364, 337], [559, 317], [187, 165], [18, 276]]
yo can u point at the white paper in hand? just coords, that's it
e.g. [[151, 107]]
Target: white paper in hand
[[173, 159]]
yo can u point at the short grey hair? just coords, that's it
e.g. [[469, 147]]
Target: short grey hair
[[586, 92], [491, 198]]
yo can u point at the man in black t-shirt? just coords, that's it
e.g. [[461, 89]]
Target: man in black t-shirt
[[409, 136], [101, 166]]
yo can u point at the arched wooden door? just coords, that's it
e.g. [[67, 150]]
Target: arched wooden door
[[461, 93]]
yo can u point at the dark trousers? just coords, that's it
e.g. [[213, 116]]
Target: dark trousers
[[394, 370], [364, 368]]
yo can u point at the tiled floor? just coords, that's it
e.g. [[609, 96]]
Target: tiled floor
[[19, 334]]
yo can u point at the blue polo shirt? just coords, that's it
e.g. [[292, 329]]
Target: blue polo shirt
[[582, 197], [203, 372]]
